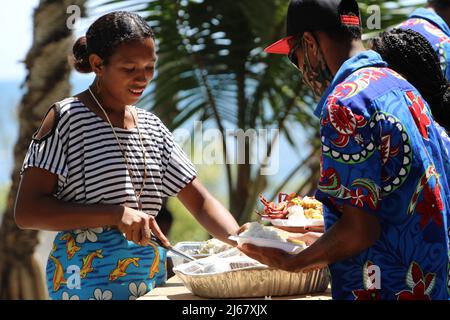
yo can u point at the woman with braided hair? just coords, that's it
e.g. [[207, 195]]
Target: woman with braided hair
[[410, 54], [99, 169], [433, 23]]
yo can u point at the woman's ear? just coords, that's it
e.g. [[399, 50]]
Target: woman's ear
[[96, 64]]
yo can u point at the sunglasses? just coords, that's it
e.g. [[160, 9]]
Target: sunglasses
[[293, 54]]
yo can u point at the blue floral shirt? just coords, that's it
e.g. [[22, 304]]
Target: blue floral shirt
[[435, 30], [383, 153]]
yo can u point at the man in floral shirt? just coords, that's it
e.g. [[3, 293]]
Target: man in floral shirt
[[432, 23], [383, 184]]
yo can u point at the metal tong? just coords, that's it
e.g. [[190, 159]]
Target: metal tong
[[155, 240]]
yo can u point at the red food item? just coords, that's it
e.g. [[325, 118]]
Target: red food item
[[280, 210]]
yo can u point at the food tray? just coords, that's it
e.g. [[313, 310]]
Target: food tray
[[247, 278]]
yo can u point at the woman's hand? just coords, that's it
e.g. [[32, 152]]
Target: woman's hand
[[139, 226], [243, 228]]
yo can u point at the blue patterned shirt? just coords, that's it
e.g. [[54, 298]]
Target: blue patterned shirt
[[383, 153]]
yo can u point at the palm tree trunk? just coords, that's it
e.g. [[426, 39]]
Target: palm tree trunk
[[47, 81]]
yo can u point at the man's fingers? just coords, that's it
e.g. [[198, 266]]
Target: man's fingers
[[315, 229], [247, 249], [309, 238]]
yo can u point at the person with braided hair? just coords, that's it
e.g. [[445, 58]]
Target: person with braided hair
[[99, 168], [383, 184], [410, 54], [433, 23]]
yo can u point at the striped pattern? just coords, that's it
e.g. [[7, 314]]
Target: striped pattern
[[83, 152]]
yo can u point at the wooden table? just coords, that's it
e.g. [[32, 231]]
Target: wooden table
[[174, 289]]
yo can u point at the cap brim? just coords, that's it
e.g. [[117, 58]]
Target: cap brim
[[280, 47]]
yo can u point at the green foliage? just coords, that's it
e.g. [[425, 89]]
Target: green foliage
[[3, 197], [184, 227]]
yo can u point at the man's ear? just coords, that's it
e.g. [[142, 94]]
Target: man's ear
[[96, 64], [310, 41]]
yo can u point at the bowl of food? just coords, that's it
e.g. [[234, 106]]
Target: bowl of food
[[197, 249]]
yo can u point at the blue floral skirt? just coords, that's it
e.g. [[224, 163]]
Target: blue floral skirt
[[101, 264]]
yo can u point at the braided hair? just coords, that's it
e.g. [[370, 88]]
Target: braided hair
[[411, 55], [106, 34]]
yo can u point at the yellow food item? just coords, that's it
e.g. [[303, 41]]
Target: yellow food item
[[313, 214], [311, 203]]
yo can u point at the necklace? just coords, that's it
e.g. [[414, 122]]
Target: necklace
[[137, 194]]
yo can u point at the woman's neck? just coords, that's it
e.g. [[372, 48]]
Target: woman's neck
[[116, 113], [102, 100]]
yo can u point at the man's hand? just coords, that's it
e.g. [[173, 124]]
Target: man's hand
[[271, 257], [308, 238], [353, 233]]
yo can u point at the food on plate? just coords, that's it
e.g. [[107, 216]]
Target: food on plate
[[257, 230], [292, 207]]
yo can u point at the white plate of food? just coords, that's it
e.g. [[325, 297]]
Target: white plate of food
[[293, 211], [262, 236]]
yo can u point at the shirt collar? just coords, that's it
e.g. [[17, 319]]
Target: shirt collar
[[363, 59], [431, 17]]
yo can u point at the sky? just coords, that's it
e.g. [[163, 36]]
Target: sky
[[15, 40]]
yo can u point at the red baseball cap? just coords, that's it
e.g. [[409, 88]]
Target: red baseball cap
[[315, 15]]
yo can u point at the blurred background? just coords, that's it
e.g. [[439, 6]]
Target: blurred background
[[211, 68]]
